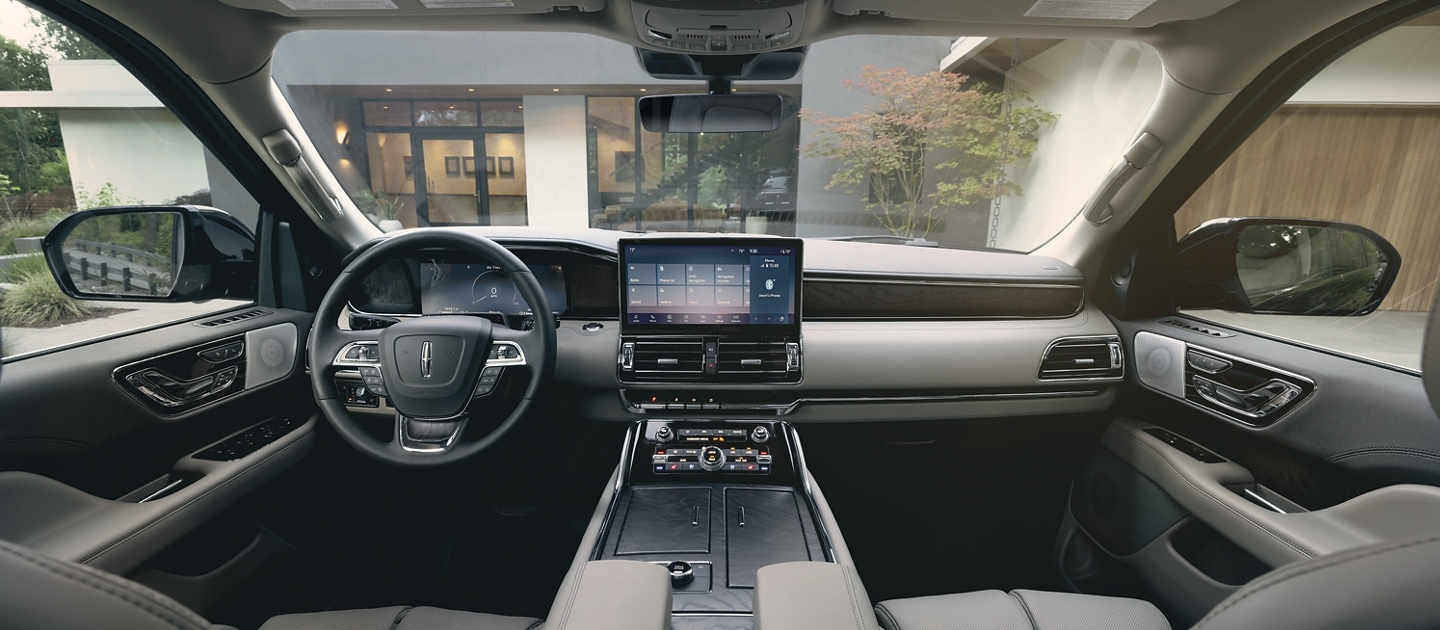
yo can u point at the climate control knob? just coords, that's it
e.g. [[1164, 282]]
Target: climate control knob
[[664, 434], [760, 434], [712, 458]]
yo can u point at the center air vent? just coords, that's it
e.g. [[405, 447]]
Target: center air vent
[[749, 357], [1083, 358], [668, 359]]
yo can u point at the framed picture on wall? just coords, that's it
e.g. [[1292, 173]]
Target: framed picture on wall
[[489, 167], [507, 166], [468, 165], [409, 166], [452, 165]]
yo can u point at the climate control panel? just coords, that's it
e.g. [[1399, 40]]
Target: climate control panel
[[677, 449]]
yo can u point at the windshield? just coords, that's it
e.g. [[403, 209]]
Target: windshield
[[973, 142]]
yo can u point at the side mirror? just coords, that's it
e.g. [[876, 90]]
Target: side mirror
[[1284, 266], [152, 254]]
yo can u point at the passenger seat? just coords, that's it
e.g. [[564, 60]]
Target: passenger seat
[[1384, 586]]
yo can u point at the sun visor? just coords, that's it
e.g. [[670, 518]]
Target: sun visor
[[427, 8], [1128, 13]]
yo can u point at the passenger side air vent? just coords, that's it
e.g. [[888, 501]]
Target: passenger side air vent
[[664, 359], [749, 357], [1083, 358]]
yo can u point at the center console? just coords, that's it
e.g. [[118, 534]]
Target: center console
[[713, 502]]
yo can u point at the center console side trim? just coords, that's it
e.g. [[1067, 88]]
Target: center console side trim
[[807, 489], [622, 478]]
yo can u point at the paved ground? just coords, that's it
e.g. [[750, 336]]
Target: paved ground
[[136, 315], [1390, 337]]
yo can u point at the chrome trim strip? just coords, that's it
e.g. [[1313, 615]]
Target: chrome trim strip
[[622, 478], [797, 460], [1264, 503], [788, 408], [340, 359], [715, 613], [158, 493]]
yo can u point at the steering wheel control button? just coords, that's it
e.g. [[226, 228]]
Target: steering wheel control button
[[712, 458], [681, 573], [489, 377], [371, 376]]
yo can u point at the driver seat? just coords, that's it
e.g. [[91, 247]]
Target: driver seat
[[38, 592]]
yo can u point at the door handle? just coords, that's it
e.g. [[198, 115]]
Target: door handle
[[173, 392], [1257, 402]]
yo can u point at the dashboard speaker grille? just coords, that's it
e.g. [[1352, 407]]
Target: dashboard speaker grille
[[1083, 358]]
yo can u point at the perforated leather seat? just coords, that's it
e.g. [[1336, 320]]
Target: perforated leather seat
[[38, 592], [1385, 586]]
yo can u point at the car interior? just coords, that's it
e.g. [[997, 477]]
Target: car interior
[[561, 426]]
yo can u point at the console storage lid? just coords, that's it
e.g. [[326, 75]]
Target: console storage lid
[[612, 595], [804, 595]]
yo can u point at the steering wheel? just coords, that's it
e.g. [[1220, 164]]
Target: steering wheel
[[428, 367]]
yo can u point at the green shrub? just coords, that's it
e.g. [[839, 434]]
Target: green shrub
[[11, 229], [35, 299], [20, 268]]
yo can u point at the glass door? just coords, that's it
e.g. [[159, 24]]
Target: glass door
[[449, 181]]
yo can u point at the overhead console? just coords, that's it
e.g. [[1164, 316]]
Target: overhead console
[[717, 310]]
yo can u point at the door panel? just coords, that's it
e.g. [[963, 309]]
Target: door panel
[[66, 416], [1344, 462]]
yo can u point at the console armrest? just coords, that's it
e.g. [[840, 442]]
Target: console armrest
[[803, 595], [612, 595]]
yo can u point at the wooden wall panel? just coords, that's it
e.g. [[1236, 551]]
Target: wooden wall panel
[[1375, 166]]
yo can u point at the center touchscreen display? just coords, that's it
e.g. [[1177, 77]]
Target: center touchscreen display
[[675, 284]]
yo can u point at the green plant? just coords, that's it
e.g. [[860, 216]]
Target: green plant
[[25, 266], [928, 145], [36, 300], [107, 196], [378, 206], [22, 227]]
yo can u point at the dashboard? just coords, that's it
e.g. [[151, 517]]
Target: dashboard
[[912, 333]]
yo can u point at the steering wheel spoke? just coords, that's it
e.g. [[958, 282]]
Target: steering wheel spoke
[[427, 437]]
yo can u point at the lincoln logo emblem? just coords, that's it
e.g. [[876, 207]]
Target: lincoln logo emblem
[[426, 357]]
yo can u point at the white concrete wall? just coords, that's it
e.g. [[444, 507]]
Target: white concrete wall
[[558, 184], [1397, 67], [146, 154], [1100, 91]]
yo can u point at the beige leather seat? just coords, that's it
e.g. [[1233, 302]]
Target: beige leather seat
[[38, 592]]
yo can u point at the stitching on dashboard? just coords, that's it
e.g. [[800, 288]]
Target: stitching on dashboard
[[1258, 525], [1383, 450], [97, 554], [1318, 565], [132, 596]]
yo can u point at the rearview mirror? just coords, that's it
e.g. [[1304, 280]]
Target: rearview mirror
[[152, 254], [1285, 266], [714, 113]]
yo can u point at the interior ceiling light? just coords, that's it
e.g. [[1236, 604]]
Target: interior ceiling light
[[554, 89], [389, 89], [469, 89]]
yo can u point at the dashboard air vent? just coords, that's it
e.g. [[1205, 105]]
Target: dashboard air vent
[[230, 319], [1083, 358], [669, 359], [1193, 327], [747, 357]]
